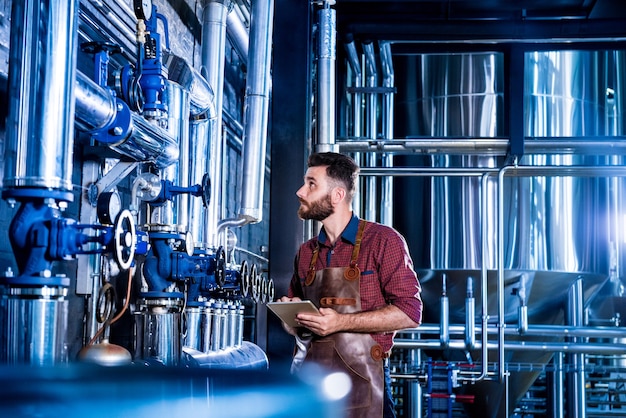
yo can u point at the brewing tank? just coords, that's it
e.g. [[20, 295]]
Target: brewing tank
[[550, 223], [556, 228]]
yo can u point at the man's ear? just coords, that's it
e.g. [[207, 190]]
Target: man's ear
[[338, 194]]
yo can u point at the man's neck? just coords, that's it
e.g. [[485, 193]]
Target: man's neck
[[335, 224]]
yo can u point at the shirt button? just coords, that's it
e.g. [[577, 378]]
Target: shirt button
[[332, 251]]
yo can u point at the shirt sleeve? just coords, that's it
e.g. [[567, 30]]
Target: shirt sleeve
[[399, 281], [295, 286]]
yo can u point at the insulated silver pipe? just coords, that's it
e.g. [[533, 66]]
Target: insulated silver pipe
[[38, 155], [214, 17], [257, 106], [200, 134], [95, 106], [178, 105], [327, 51], [201, 96], [238, 35], [95, 109], [148, 142], [42, 70]]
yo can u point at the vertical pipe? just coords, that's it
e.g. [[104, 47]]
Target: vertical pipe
[[576, 377], [38, 165], [214, 16], [500, 275], [357, 113], [42, 70], [386, 215], [178, 125], [415, 395], [257, 106], [370, 128], [173, 214], [556, 405], [444, 318], [200, 133], [470, 312], [326, 79], [238, 36]]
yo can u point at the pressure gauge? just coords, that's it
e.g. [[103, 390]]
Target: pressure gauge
[[108, 207], [143, 9]]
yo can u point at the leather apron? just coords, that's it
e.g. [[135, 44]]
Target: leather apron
[[356, 354]]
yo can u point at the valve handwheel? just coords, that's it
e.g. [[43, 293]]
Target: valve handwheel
[[254, 283], [125, 239], [245, 278], [220, 267]]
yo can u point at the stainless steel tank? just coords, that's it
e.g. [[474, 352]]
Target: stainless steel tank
[[554, 227]]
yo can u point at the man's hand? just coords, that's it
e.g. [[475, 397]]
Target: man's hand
[[329, 322]]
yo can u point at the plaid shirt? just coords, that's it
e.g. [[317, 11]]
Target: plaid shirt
[[387, 275]]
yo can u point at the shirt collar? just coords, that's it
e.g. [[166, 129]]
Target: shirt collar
[[348, 234]]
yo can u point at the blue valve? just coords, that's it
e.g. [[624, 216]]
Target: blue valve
[[151, 71]]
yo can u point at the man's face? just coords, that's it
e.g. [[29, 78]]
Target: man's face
[[314, 195]]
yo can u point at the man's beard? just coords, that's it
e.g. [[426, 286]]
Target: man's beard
[[317, 210]]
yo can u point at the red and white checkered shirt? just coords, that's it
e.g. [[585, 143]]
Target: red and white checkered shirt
[[387, 274]]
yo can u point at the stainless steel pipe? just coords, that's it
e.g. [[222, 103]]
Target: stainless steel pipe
[[214, 18], [146, 142], [42, 69], [327, 52], [258, 87]]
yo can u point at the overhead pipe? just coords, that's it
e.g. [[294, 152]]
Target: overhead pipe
[[485, 146], [255, 124], [326, 62]]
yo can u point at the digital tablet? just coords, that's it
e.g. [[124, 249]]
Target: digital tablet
[[287, 311]]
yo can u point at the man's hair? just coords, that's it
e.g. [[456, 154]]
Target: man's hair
[[339, 167]]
